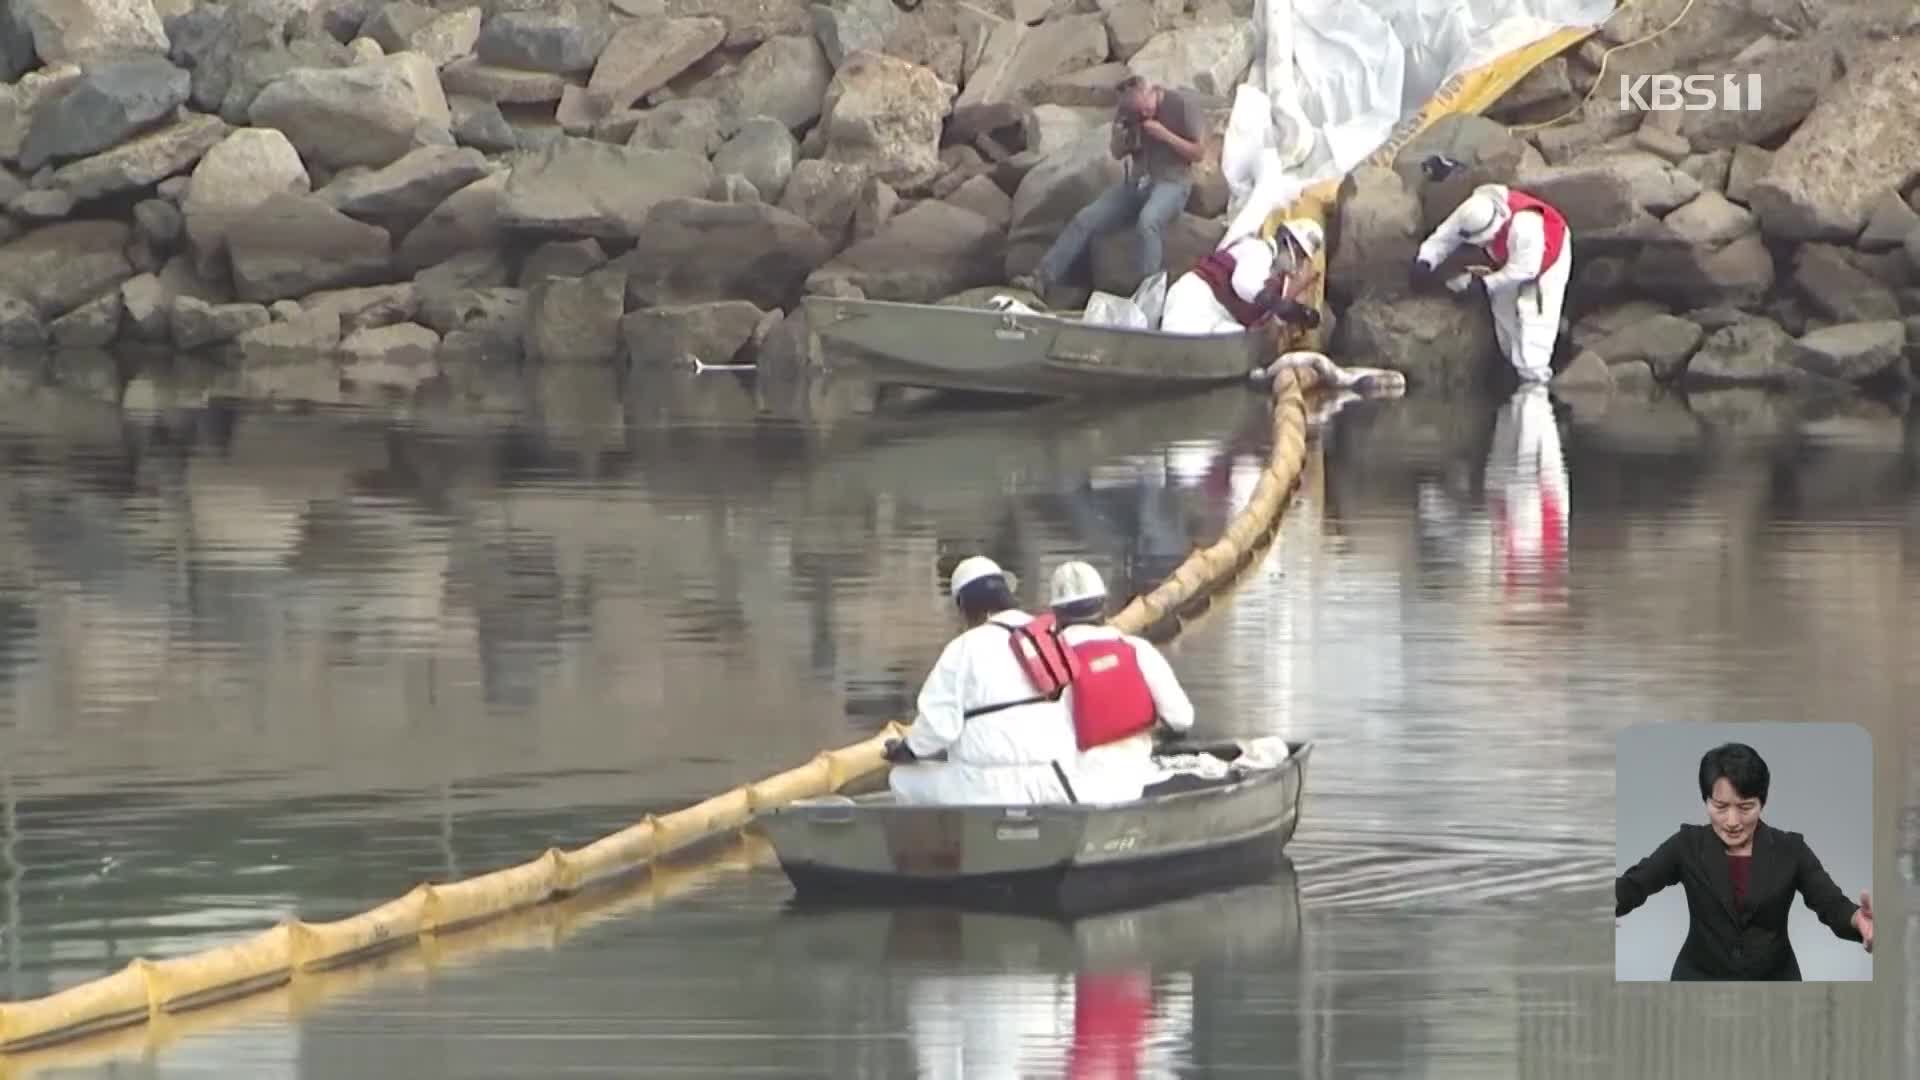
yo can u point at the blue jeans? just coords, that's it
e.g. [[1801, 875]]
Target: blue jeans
[[1149, 204]]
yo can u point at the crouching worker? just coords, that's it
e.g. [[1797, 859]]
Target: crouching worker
[[1006, 740], [1122, 687], [1253, 283], [1532, 254]]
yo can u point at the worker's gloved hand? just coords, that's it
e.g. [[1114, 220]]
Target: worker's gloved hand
[[896, 752], [1459, 283]]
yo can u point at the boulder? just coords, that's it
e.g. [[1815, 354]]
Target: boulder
[[467, 220], [399, 357], [713, 333], [289, 245], [1015, 57], [56, 268], [89, 30], [440, 36], [564, 38], [1793, 77], [695, 251], [580, 187], [1856, 143], [885, 115], [1377, 231], [366, 115], [20, 326], [1749, 164], [1752, 352], [930, 251], [197, 324], [398, 196], [1738, 273], [984, 197], [1709, 169], [104, 107], [561, 259], [1889, 223], [298, 340], [750, 22], [366, 307], [238, 173], [692, 126], [644, 56], [92, 325], [1441, 344], [1541, 95], [785, 78], [21, 101], [468, 77], [824, 195], [496, 316], [16, 43], [1488, 152], [144, 161], [1050, 194], [1710, 220], [1210, 58], [1853, 352], [1838, 290], [845, 27], [763, 152], [481, 125], [1662, 342], [576, 320], [159, 224]]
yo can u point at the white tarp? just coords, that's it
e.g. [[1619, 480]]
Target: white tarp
[[1331, 79]]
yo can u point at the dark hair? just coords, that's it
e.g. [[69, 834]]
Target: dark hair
[[1081, 611], [1131, 83], [1740, 765], [984, 596]]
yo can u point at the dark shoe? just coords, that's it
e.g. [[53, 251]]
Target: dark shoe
[[1031, 283]]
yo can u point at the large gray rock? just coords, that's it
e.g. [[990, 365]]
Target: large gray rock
[[88, 30], [1662, 342], [299, 340], [644, 56], [197, 324], [561, 259], [290, 245], [235, 50], [845, 27], [468, 77], [750, 22], [1889, 223], [885, 115], [763, 151], [16, 43], [694, 251], [576, 320], [241, 172], [398, 196], [1833, 286], [1015, 57], [366, 307], [142, 162], [579, 187], [1440, 343], [440, 36], [1853, 351], [20, 326], [1379, 230], [1487, 152], [1752, 352], [1711, 220], [930, 251], [107, 104], [20, 101], [366, 115], [785, 78], [1792, 78], [57, 268], [1051, 193], [1858, 142], [564, 39], [713, 333], [468, 220], [1738, 273], [824, 194], [691, 125], [481, 125], [92, 325], [1210, 58]]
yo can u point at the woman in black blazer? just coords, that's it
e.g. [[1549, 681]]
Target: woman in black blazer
[[1740, 875]]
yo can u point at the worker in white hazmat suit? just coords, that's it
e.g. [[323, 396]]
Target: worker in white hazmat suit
[[1251, 283], [1125, 689], [1531, 249], [1006, 742]]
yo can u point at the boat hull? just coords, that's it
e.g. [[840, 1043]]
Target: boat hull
[[972, 349], [1063, 859]]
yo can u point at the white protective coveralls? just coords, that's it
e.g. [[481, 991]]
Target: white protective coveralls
[[1191, 307], [1525, 297], [1005, 757], [1119, 770]]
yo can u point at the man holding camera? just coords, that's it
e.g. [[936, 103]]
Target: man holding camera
[[1159, 134]]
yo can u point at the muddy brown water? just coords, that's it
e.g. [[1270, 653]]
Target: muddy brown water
[[259, 663]]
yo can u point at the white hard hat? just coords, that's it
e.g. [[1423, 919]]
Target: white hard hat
[[1481, 212], [1307, 235], [1073, 582], [972, 569]]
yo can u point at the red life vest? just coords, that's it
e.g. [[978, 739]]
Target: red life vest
[[1111, 700], [1217, 271], [1049, 665], [1554, 225]]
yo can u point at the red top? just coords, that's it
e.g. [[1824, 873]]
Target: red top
[[1737, 867]]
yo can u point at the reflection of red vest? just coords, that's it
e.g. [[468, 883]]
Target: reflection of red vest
[[1110, 696], [1555, 227], [1110, 1014], [1217, 271], [1553, 538]]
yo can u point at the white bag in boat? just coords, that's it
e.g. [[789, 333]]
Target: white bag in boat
[[1106, 309], [1009, 304], [1151, 298]]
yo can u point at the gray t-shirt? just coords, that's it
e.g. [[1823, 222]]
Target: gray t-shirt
[[1180, 115]]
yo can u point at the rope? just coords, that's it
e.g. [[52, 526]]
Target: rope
[[1600, 76]]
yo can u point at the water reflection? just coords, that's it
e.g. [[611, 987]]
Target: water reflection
[[1527, 496]]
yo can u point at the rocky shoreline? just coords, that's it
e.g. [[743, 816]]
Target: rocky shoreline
[[409, 193]]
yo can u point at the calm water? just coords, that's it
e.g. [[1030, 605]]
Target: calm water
[[259, 663]]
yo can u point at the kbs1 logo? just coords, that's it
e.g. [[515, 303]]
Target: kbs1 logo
[[1690, 93]]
